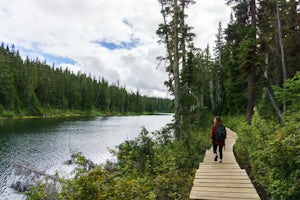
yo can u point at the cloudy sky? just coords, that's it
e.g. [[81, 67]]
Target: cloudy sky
[[114, 39]]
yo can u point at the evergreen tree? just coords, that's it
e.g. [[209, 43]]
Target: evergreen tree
[[219, 70], [176, 36], [242, 35], [7, 87]]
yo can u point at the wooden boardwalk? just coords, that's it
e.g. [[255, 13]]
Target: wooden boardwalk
[[226, 180]]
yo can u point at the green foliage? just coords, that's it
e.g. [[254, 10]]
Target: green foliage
[[137, 154], [272, 152], [99, 184], [83, 164], [44, 189], [164, 160], [233, 121], [290, 93], [39, 192]]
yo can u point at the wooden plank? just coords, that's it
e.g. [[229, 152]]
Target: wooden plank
[[232, 195], [231, 156], [212, 165], [224, 156], [220, 170], [226, 153], [220, 165], [228, 185], [211, 158], [224, 160], [222, 173], [243, 177], [225, 189], [196, 180], [216, 171], [215, 198]]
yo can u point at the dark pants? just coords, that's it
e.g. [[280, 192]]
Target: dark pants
[[215, 146]]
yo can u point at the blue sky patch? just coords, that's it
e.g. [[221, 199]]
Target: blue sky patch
[[122, 45], [58, 60], [50, 59]]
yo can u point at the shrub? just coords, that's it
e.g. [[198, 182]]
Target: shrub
[[272, 152]]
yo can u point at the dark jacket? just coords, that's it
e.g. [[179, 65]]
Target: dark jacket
[[212, 136]]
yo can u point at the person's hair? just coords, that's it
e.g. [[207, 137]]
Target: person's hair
[[219, 121]]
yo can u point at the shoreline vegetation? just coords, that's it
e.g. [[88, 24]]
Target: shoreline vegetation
[[59, 113]]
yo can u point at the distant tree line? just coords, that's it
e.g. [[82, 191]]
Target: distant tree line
[[31, 87]]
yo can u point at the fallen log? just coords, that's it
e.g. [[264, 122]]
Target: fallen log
[[41, 173]]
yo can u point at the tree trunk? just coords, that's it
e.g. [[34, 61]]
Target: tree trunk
[[268, 90], [184, 33], [252, 67], [284, 71], [219, 66], [176, 71], [271, 96], [30, 169], [211, 94], [250, 93], [219, 86]]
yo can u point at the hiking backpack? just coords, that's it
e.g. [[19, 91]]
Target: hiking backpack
[[220, 133]]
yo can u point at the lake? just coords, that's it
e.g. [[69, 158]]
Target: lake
[[45, 144]]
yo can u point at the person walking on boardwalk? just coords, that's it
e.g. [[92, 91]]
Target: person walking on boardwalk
[[217, 137]]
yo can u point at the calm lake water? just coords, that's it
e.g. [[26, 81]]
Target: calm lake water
[[45, 144]]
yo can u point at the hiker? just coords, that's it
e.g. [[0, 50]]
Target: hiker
[[217, 138]]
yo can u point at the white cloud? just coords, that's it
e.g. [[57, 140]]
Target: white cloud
[[74, 29], [205, 16]]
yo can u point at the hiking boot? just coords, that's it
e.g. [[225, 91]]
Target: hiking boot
[[216, 157]]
